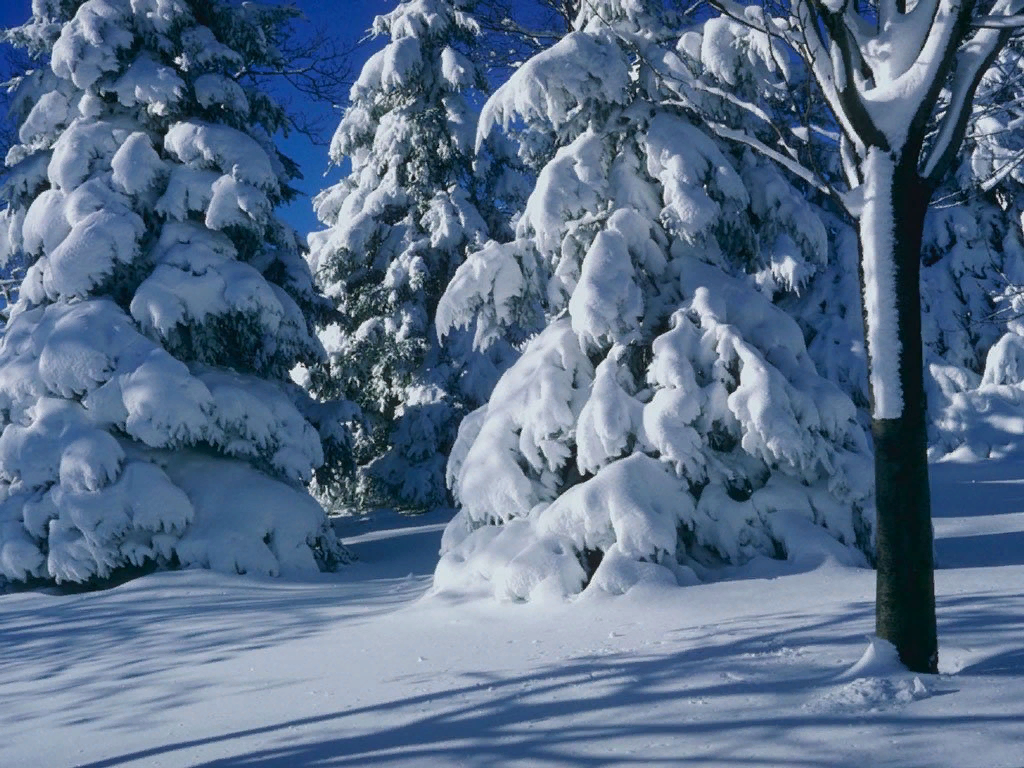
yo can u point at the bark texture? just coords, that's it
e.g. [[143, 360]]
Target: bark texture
[[905, 591]]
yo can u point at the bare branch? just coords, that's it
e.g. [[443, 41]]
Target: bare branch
[[310, 63], [516, 31]]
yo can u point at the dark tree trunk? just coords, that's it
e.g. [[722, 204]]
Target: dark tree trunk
[[905, 595]]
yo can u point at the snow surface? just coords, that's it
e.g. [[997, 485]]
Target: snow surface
[[368, 667]]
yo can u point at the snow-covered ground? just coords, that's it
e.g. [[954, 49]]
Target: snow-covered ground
[[367, 667]]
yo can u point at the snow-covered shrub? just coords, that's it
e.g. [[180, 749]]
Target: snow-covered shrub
[[667, 416], [146, 410], [398, 226]]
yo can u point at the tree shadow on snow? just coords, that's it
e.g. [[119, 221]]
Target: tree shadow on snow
[[91, 648], [990, 487], [738, 697], [977, 507], [969, 625], [1008, 664], [985, 550]]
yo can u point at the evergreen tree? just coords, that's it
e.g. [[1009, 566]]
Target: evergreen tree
[[398, 226], [146, 408], [666, 418]]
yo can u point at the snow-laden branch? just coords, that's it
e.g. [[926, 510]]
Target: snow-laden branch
[[755, 111], [841, 60], [1014, 22], [887, 11], [806, 41], [791, 165], [849, 160], [973, 60], [1002, 172], [902, 97], [899, 41]]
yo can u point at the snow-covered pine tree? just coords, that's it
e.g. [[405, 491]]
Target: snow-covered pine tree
[[15, 63], [666, 418], [147, 411], [398, 226]]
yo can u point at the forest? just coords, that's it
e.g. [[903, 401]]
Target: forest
[[618, 297]]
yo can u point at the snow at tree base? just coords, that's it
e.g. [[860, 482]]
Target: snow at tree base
[[667, 417], [148, 416], [399, 225]]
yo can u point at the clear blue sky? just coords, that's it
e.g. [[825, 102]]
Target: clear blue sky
[[348, 20]]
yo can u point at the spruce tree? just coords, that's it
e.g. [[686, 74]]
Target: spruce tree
[[398, 226], [146, 408], [666, 419]]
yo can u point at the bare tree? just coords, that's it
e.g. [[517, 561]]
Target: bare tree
[[312, 67], [516, 30], [899, 79]]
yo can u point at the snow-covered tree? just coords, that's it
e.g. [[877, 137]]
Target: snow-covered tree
[[899, 79], [398, 226], [971, 257], [14, 64], [146, 408], [971, 244], [666, 418]]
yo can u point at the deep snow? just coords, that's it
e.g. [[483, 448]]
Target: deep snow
[[367, 667]]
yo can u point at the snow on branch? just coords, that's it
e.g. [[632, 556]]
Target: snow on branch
[[974, 60], [1014, 22], [797, 169], [806, 40]]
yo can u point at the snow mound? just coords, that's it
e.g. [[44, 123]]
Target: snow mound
[[879, 659], [876, 683], [246, 522], [981, 418], [877, 694], [511, 562]]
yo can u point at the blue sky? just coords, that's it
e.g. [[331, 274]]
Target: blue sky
[[348, 20]]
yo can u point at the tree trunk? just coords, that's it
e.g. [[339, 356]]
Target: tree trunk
[[905, 591]]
